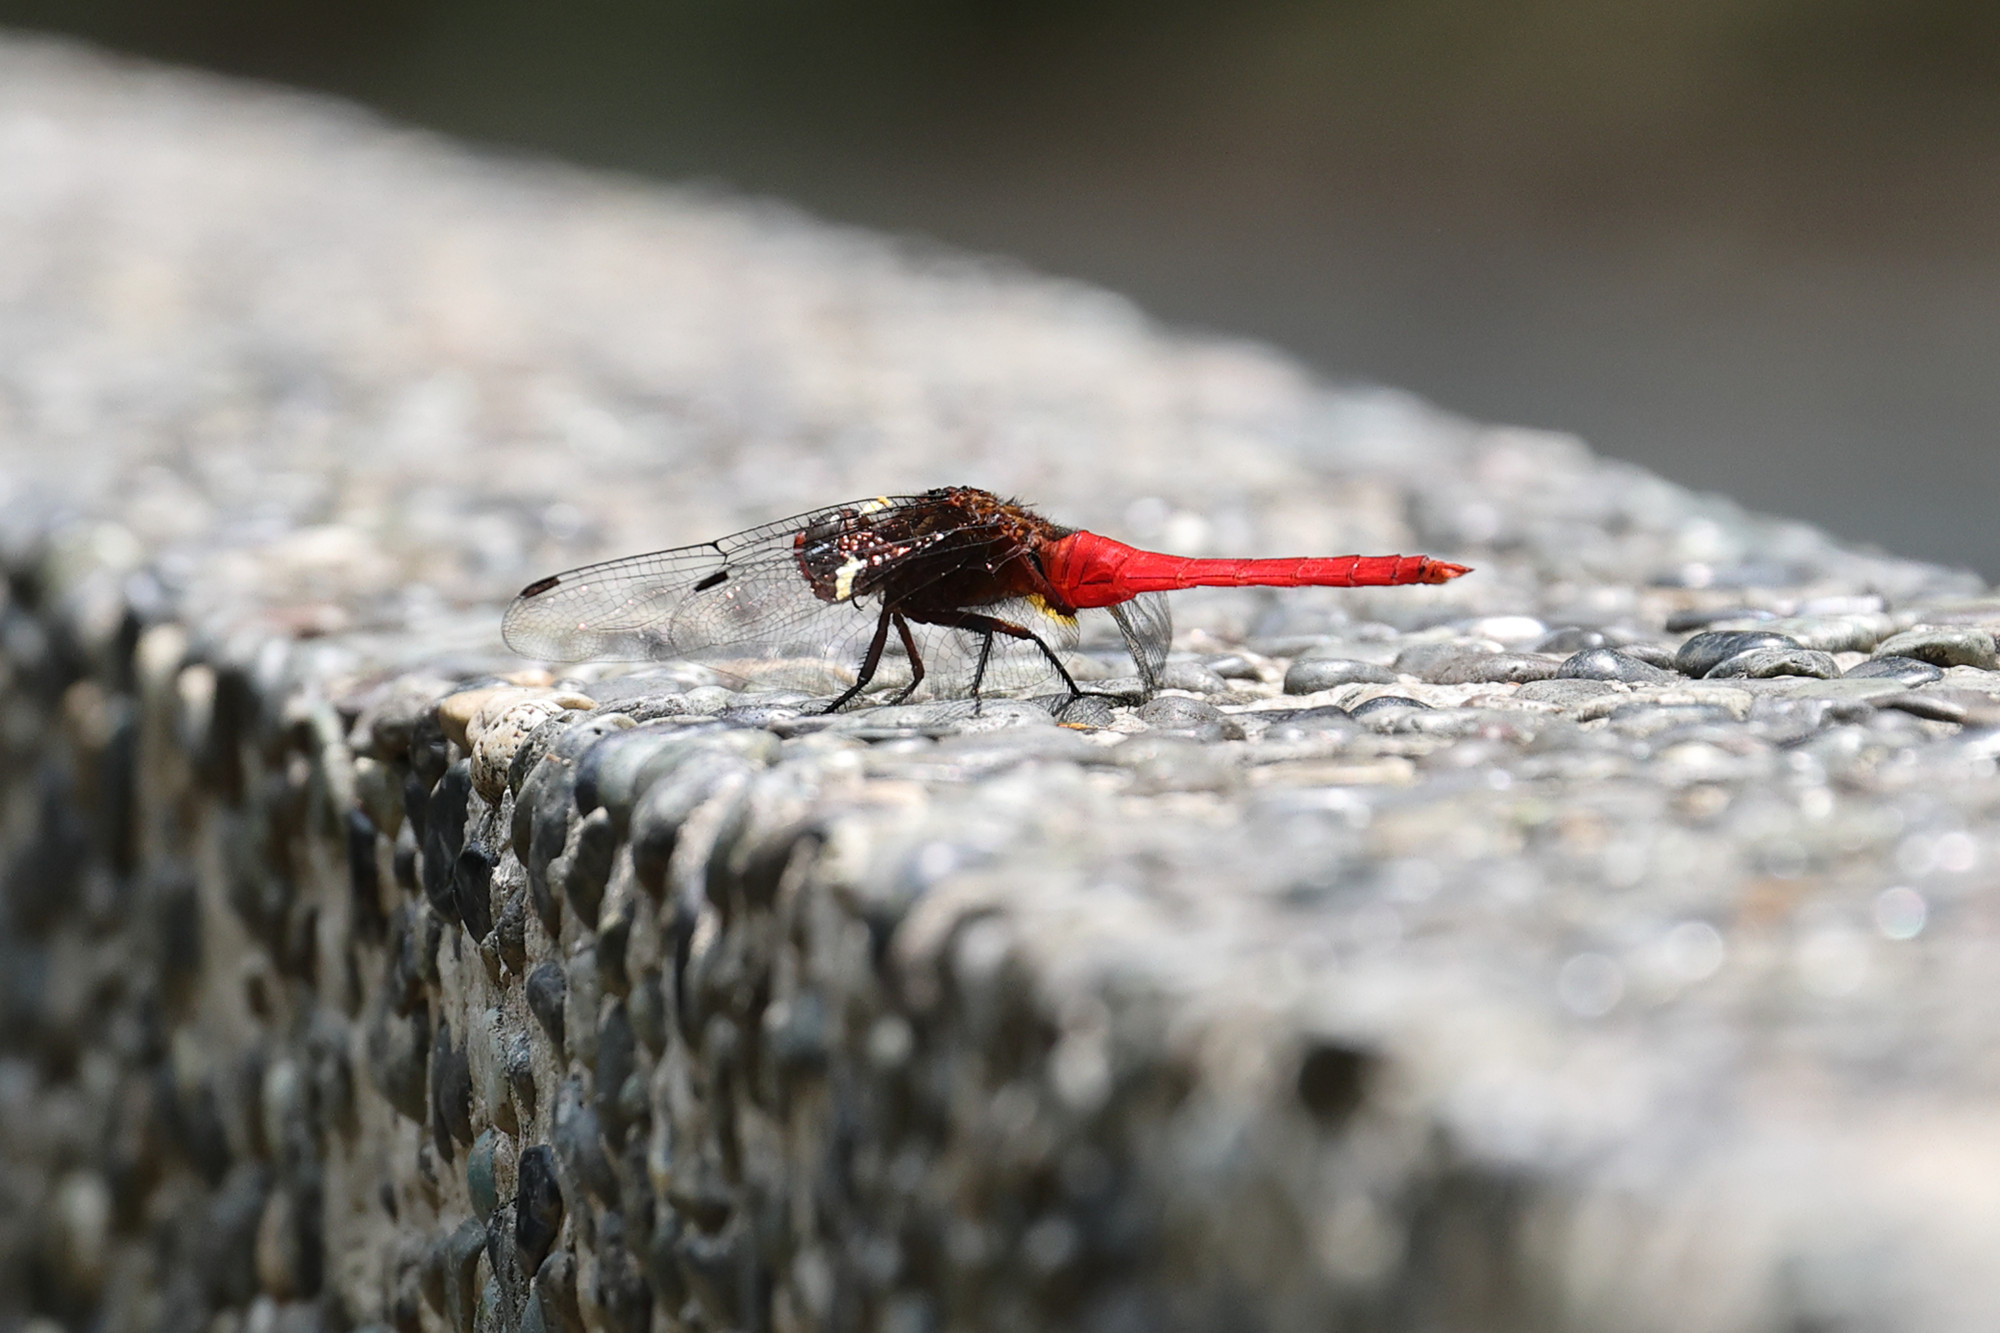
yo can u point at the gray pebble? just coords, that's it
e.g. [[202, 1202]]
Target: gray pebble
[[615, 772], [538, 1207], [460, 1263], [1611, 664], [1642, 720], [765, 714], [1309, 675], [617, 1060], [579, 1143], [480, 1180], [1192, 677], [511, 931], [1571, 639], [397, 1051], [713, 1267], [1904, 670], [520, 1058], [1652, 654], [1233, 666], [1680, 622], [1942, 646], [451, 1093], [1704, 652], [1420, 659], [1564, 692], [1177, 716], [1382, 704], [444, 835], [1084, 710], [546, 989], [1293, 724], [1924, 704], [1490, 668], [472, 890], [657, 822], [1171, 762], [590, 864], [1763, 663]]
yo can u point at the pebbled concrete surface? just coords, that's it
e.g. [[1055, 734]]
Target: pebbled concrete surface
[[1601, 941]]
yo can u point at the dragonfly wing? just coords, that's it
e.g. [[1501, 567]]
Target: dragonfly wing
[[682, 603], [1148, 626], [745, 595], [808, 587]]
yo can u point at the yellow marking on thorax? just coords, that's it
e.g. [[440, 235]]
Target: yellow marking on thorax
[[843, 578], [1041, 603]]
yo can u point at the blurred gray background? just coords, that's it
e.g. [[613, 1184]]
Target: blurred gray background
[[1748, 243]]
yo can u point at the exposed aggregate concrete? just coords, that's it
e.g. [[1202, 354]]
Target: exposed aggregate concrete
[[1603, 941]]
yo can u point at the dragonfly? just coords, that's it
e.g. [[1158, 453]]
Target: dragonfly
[[972, 587]]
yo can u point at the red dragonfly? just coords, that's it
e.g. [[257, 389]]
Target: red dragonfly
[[951, 572]]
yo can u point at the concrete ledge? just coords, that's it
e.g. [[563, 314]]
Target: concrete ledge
[[1511, 972]]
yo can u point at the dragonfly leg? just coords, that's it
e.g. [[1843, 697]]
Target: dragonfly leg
[[868, 663], [979, 672], [916, 658], [992, 625]]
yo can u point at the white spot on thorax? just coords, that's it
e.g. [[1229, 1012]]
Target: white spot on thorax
[[843, 578]]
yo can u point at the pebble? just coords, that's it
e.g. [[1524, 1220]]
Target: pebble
[[589, 864], [1565, 691], [1490, 668], [538, 1207], [1855, 633], [1903, 670], [364, 876], [1942, 646], [1176, 716], [1420, 659], [656, 823], [1164, 762], [472, 891], [511, 930], [1644, 720], [1762, 663], [1710, 649], [1680, 622], [451, 1093], [614, 773], [1610, 664], [617, 1062], [1383, 704], [481, 1182], [1652, 654], [398, 1049], [1291, 724], [579, 1145], [1310, 675], [1088, 710], [546, 991], [444, 836], [1571, 639], [459, 1262], [1193, 677], [499, 727], [1233, 666]]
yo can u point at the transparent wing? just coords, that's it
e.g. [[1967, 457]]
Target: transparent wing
[[1148, 627], [743, 593], [744, 605]]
